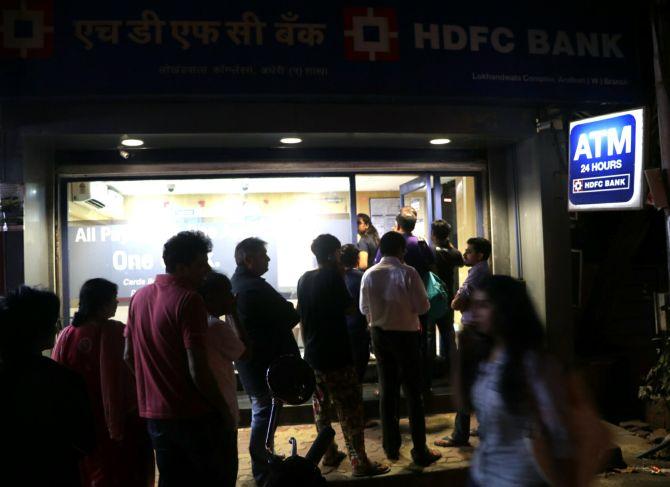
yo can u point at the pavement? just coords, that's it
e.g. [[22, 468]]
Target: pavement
[[451, 469]]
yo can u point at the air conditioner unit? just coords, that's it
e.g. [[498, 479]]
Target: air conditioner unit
[[98, 196]]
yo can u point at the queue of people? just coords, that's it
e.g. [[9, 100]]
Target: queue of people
[[165, 381]]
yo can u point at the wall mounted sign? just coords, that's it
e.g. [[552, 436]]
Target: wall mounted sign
[[606, 158], [373, 48]]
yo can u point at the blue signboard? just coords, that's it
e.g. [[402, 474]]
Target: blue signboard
[[606, 158], [300, 47]]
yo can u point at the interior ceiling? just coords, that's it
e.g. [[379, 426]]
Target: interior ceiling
[[259, 185], [271, 140]]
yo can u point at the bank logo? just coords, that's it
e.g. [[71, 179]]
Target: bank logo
[[26, 29], [371, 34], [576, 185]]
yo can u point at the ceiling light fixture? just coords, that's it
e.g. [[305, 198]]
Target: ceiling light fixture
[[130, 142], [290, 140], [439, 141]]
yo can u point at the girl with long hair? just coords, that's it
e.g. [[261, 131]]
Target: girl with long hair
[[93, 346], [512, 393], [368, 242]]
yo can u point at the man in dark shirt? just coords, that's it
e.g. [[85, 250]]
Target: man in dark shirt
[[268, 319], [46, 420], [447, 261], [323, 303]]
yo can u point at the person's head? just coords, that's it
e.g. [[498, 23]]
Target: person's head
[[28, 321], [349, 256], [478, 250], [440, 231], [97, 301], [405, 221], [252, 254], [326, 248], [185, 256], [503, 311], [392, 244], [217, 293]]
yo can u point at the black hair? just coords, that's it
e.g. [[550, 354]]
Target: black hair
[[517, 325], [481, 246], [27, 317], [406, 219], [247, 247], [350, 255], [94, 294], [184, 248], [371, 230], [324, 246], [392, 243], [214, 281], [441, 229]]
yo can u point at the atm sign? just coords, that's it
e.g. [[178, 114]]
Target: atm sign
[[606, 158]]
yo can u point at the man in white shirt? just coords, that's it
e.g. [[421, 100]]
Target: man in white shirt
[[225, 344], [392, 298]]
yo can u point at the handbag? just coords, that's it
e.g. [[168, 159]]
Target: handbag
[[440, 301]]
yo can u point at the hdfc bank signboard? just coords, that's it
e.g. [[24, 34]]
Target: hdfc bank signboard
[[606, 157]]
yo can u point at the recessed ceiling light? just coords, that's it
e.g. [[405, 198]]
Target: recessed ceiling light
[[439, 141], [290, 140], [129, 142]]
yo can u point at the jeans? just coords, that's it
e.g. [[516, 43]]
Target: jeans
[[194, 451], [461, 432], [399, 362], [261, 408]]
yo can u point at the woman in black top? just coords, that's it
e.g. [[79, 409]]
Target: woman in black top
[[368, 243]]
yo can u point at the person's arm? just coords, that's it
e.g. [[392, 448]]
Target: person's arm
[[242, 335], [460, 302], [128, 356], [418, 296], [363, 260], [364, 300]]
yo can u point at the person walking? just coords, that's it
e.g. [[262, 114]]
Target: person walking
[[323, 303], [393, 297], [46, 420], [225, 344], [357, 325], [368, 242], [188, 419], [476, 257], [268, 319], [517, 386], [92, 346]]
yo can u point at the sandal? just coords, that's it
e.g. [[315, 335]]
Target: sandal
[[450, 443], [370, 469]]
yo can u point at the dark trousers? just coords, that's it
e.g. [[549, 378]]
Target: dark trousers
[[195, 451], [359, 338], [461, 432], [399, 362], [445, 325]]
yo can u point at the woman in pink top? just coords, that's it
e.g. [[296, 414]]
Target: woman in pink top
[[93, 346]]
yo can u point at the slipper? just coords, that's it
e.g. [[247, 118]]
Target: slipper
[[450, 443], [371, 469]]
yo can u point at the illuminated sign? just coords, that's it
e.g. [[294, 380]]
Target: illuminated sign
[[606, 157]]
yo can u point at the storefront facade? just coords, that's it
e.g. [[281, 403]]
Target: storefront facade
[[365, 88]]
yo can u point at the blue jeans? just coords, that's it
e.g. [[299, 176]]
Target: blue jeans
[[261, 407], [194, 451]]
